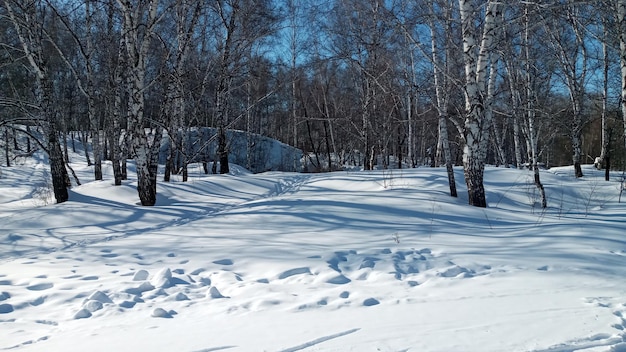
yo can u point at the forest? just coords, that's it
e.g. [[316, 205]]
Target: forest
[[365, 83]]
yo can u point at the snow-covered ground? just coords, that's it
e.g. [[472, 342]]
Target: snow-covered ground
[[344, 261]]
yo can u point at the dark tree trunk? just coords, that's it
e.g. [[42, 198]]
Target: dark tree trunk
[[60, 177], [16, 145], [97, 154], [222, 151], [169, 162], [6, 147], [28, 146]]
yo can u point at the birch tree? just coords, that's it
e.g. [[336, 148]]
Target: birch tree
[[362, 38], [242, 24], [139, 21], [621, 25], [530, 75], [83, 72], [116, 60], [568, 40], [28, 18], [477, 56], [187, 14], [441, 77]]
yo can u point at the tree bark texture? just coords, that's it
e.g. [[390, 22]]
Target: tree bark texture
[[621, 23], [476, 126]]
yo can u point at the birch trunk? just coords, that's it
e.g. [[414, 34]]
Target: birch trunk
[[442, 106], [29, 32], [605, 94], [115, 133], [532, 137], [94, 120], [621, 22], [476, 58], [572, 57], [137, 36], [187, 15]]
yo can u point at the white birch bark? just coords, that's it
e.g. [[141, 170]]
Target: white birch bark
[[187, 15], [574, 68], [90, 93], [137, 36], [476, 58], [116, 88], [442, 104], [621, 23], [23, 16], [533, 138]]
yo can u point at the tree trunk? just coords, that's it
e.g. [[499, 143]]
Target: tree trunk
[[169, 160], [6, 147], [60, 177], [442, 105], [222, 151], [138, 29], [475, 131], [532, 135], [97, 152], [118, 145], [30, 35], [621, 22]]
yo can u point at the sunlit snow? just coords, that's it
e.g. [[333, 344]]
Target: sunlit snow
[[343, 261]]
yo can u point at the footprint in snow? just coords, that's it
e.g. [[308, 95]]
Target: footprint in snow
[[4, 296], [457, 271], [293, 272], [37, 302], [162, 313], [197, 271], [339, 257], [215, 293], [622, 320], [338, 280], [6, 308], [371, 302], [40, 287], [369, 262], [223, 262]]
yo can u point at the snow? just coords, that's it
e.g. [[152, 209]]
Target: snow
[[343, 261]]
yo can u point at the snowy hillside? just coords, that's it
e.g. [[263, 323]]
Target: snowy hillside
[[345, 261], [256, 152]]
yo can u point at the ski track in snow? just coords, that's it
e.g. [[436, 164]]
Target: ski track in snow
[[616, 342], [286, 185], [320, 340]]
